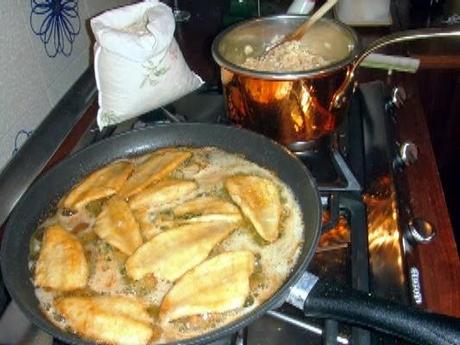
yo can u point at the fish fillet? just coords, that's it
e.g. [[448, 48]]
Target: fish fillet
[[202, 209], [62, 263], [152, 227], [100, 184], [206, 205], [259, 201], [163, 193], [108, 319], [217, 285], [159, 165], [117, 226], [172, 253]]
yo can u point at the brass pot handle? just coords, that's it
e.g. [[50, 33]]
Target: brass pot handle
[[398, 37]]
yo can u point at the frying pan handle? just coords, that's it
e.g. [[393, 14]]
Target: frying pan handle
[[328, 300]]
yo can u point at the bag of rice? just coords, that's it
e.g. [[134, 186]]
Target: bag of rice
[[138, 64]]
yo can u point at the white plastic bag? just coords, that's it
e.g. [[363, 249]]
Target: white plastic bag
[[137, 62]]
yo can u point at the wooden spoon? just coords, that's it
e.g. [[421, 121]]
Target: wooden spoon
[[302, 29]]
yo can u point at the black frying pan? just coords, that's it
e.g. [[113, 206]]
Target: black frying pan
[[324, 299]]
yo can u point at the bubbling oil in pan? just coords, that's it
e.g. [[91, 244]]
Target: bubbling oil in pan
[[209, 167]]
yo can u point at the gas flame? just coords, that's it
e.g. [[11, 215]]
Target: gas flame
[[338, 235]]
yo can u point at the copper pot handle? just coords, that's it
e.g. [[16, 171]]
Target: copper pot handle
[[339, 98]]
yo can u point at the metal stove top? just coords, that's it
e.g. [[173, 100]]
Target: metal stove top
[[343, 166]]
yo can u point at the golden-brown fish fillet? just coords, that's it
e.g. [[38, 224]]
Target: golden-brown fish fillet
[[62, 263], [151, 229], [107, 319], [202, 209], [259, 201], [206, 205], [156, 167], [172, 253], [163, 193], [100, 184], [117, 226], [217, 285]]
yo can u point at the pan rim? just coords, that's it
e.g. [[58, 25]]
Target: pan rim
[[247, 318]]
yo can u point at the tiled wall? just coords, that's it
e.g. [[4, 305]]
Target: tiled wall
[[32, 81]]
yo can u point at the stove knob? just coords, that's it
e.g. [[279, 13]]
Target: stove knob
[[408, 153], [396, 100], [398, 97], [420, 231]]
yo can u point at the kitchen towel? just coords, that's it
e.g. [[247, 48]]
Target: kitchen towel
[[138, 64]]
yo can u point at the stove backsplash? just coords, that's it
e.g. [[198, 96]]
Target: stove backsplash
[[40, 60]]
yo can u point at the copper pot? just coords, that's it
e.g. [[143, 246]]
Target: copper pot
[[294, 107]]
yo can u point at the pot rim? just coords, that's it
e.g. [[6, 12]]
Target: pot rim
[[316, 72]]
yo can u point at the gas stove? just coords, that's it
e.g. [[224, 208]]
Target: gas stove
[[362, 244]]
